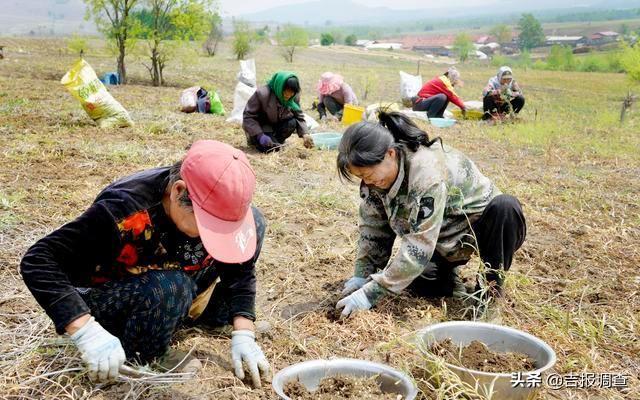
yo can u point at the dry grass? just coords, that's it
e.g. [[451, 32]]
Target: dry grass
[[574, 284]]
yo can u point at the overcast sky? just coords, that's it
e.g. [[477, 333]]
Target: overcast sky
[[235, 7]]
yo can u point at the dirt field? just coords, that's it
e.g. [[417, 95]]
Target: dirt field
[[574, 284]]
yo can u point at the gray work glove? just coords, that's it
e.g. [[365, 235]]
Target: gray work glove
[[352, 285], [101, 351], [356, 301], [244, 348]]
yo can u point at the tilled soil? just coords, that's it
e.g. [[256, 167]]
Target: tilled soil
[[476, 355], [340, 387]]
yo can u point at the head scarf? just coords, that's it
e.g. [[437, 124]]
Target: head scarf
[[504, 71], [496, 81], [329, 83], [276, 84], [453, 74]]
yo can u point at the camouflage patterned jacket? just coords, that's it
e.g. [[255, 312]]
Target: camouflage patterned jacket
[[431, 206]]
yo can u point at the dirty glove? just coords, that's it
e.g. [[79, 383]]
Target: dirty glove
[[244, 348], [265, 140], [101, 351], [308, 141], [354, 302], [352, 285]]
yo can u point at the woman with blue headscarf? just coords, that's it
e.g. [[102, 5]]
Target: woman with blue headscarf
[[502, 95]]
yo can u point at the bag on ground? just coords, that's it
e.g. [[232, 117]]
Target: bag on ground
[[410, 85], [189, 99], [217, 107], [371, 112], [198, 99], [244, 89], [84, 85], [247, 74], [311, 123]]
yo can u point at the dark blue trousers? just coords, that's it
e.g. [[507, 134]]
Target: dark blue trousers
[[144, 311]]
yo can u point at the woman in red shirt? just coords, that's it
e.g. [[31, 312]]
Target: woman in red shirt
[[435, 95]]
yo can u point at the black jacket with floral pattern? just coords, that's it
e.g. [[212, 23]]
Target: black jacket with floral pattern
[[125, 232]]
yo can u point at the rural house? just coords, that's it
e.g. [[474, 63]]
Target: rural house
[[599, 38], [572, 41]]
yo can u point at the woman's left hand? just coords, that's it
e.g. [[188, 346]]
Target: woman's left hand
[[308, 141], [245, 349], [356, 301]]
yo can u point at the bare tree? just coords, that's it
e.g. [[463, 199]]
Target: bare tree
[[113, 18], [215, 35]]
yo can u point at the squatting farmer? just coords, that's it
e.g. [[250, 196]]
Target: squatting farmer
[[333, 94], [435, 95], [502, 95], [122, 277], [273, 113], [436, 201]]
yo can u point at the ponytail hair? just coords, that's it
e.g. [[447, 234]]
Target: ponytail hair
[[405, 131], [366, 143]]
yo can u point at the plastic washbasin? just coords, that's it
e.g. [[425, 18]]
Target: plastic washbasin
[[326, 140], [442, 122], [498, 338], [310, 373]]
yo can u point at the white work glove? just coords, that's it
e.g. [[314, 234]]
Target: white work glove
[[244, 348], [354, 302], [101, 351], [352, 285]]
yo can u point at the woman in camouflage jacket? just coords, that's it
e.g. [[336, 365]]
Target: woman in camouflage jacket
[[435, 200]]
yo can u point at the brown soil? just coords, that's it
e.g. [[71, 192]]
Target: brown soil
[[476, 355], [332, 313], [340, 387]]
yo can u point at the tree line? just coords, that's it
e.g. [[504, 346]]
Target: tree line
[[159, 29]]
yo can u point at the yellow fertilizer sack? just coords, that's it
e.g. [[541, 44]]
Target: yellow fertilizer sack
[[84, 85]]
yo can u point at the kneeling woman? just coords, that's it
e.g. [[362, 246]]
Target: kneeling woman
[[435, 95], [502, 95], [333, 94], [273, 113], [435, 200]]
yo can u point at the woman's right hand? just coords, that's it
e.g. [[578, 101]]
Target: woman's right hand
[[100, 350], [265, 140]]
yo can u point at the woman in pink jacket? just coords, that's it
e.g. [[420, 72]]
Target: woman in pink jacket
[[333, 94]]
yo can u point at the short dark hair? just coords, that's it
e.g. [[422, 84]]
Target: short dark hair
[[292, 84], [174, 176], [365, 144]]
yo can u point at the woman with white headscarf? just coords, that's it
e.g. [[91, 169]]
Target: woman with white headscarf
[[333, 94], [502, 95], [435, 95]]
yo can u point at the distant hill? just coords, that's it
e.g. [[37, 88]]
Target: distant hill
[[44, 17], [63, 17], [347, 12]]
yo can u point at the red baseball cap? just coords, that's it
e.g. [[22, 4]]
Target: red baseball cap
[[221, 182]]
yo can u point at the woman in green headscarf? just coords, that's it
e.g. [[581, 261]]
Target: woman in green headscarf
[[273, 113]]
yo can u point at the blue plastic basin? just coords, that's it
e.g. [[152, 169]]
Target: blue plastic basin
[[442, 122], [326, 140]]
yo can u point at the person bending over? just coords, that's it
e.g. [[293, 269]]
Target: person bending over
[[439, 205], [146, 256], [273, 113]]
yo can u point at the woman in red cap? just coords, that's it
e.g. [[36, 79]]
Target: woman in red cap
[[158, 248]]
